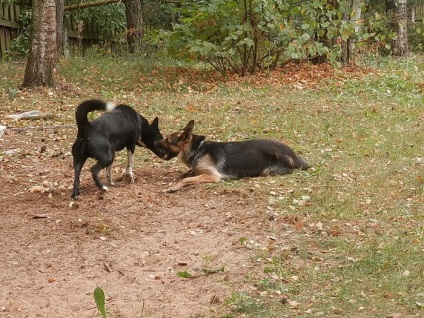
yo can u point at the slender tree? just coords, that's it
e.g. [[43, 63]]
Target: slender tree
[[41, 65], [402, 27], [134, 24], [356, 17], [60, 34]]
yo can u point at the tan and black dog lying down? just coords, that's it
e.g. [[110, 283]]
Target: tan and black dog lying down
[[211, 161]]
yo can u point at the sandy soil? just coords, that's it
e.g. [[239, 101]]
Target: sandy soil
[[132, 241]]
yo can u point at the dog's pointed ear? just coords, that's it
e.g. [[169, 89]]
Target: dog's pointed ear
[[155, 123], [187, 130]]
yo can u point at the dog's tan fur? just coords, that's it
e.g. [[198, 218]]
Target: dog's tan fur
[[217, 161], [179, 143]]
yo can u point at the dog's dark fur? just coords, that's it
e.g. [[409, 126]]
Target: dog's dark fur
[[212, 161], [121, 127]]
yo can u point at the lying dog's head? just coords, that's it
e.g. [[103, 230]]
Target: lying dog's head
[[152, 138], [178, 142]]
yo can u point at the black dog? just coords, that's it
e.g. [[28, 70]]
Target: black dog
[[211, 161], [121, 127]]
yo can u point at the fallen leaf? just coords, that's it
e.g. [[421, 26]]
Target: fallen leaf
[[293, 303]]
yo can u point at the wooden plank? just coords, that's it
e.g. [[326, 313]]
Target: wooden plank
[[74, 26], [10, 24], [12, 13], [89, 26], [6, 12], [68, 22], [90, 36], [8, 39], [17, 11], [2, 40]]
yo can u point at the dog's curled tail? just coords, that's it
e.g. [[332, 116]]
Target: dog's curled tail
[[86, 107]]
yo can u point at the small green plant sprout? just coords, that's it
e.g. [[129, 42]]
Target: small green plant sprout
[[212, 271], [242, 240], [184, 274], [100, 299]]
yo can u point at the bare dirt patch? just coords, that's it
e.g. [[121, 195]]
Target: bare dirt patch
[[131, 241]]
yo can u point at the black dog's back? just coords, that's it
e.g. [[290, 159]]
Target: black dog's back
[[252, 158], [121, 126]]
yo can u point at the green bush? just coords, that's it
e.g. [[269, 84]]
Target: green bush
[[250, 35], [416, 36]]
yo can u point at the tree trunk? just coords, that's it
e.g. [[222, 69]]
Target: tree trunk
[[134, 24], [347, 7], [40, 69], [60, 11], [355, 17], [402, 37], [65, 38]]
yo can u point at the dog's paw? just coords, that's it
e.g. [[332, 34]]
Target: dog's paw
[[75, 196], [128, 178], [73, 204], [174, 188], [188, 173], [105, 188], [170, 190]]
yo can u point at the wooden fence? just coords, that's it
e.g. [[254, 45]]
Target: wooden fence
[[9, 25], [80, 38], [417, 12]]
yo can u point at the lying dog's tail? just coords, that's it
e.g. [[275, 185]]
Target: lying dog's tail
[[86, 107]]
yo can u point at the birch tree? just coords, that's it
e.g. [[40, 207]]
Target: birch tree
[[402, 28], [41, 65]]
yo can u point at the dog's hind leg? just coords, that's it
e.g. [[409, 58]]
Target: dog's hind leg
[[95, 172], [206, 177], [78, 164], [104, 160], [276, 170], [130, 165], [109, 171]]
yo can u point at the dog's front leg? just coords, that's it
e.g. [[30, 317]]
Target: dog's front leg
[[206, 177], [109, 175], [130, 164]]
